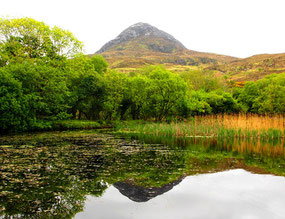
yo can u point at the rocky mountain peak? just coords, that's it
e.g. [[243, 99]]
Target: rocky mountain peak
[[139, 30]]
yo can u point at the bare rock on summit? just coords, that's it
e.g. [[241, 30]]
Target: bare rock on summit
[[144, 31], [143, 44]]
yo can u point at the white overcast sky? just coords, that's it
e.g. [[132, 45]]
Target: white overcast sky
[[238, 28]]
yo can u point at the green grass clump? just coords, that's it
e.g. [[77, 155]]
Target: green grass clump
[[193, 128], [75, 124], [45, 125]]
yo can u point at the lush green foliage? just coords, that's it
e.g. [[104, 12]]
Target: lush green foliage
[[26, 38], [87, 86], [14, 105], [203, 80], [44, 78], [266, 96]]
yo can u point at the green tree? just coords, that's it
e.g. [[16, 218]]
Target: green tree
[[99, 64], [197, 103], [15, 107], [26, 38], [248, 96], [264, 96], [271, 98], [164, 92], [203, 80], [46, 84], [117, 100], [87, 86], [139, 98], [222, 102]]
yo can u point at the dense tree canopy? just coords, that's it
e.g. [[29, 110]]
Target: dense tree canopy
[[26, 38], [44, 77], [264, 96], [165, 91]]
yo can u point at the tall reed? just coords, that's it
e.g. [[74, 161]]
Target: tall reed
[[222, 126]]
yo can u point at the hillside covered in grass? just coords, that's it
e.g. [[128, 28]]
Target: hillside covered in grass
[[143, 44], [252, 68]]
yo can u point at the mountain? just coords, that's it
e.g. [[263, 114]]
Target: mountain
[[146, 32], [252, 68], [142, 44], [142, 194]]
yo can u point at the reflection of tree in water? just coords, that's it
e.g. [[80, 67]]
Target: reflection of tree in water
[[216, 154], [43, 181], [51, 176], [52, 181]]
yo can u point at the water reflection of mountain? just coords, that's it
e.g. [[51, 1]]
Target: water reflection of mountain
[[142, 194], [49, 174], [43, 176]]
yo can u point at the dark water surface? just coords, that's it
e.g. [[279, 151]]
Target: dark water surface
[[85, 174]]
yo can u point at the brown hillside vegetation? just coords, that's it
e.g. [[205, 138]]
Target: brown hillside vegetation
[[253, 68], [136, 54], [143, 44]]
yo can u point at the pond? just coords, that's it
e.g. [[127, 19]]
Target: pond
[[229, 194], [87, 174]]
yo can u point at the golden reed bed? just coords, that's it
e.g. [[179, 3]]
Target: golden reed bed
[[244, 121]]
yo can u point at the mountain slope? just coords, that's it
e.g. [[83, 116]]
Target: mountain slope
[[253, 68], [142, 44], [142, 29]]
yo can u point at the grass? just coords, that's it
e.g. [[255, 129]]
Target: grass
[[252, 142], [76, 124], [253, 68], [61, 125], [251, 154], [257, 140], [219, 126]]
